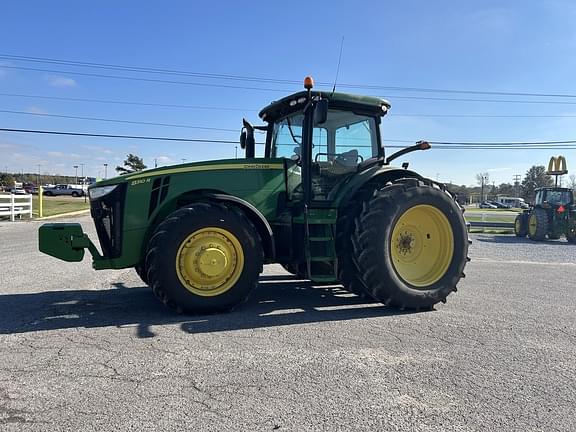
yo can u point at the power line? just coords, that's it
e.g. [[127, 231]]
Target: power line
[[120, 102], [117, 121], [513, 101], [164, 71], [140, 137], [154, 80], [217, 108], [197, 84], [437, 144], [485, 115]]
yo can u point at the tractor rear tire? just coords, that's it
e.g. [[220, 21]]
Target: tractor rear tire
[[348, 273], [538, 224], [520, 228], [204, 258], [411, 245], [142, 272], [571, 232]]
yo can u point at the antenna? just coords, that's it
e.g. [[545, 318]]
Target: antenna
[[338, 67]]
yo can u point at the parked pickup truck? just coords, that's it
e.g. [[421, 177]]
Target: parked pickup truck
[[62, 189]]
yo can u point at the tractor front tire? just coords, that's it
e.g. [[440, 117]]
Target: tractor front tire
[[411, 245], [520, 228], [538, 224], [298, 270], [204, 258]]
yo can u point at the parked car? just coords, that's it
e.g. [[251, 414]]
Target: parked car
[[499, 204], [18, 191], [62, 189], [487, 205]]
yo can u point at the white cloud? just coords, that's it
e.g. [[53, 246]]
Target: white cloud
[[98, 149], [55, 154], [498, 169], [36, 110], [60, 81], [164, 160]]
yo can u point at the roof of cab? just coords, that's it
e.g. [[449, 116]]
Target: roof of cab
[[354, 102]]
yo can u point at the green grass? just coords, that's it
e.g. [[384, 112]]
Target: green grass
[[480, 210], [58, 205], [478, 218], [492, 215]]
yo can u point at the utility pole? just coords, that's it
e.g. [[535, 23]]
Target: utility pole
[[82, 172], [105, 170], [517, 178], [155, 163], [483, 182], [38, 179], [76, 168]]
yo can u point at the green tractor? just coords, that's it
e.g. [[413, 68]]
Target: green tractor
[[324, 202], [552, 215]]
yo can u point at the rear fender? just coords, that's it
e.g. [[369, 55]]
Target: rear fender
[[378, 175]]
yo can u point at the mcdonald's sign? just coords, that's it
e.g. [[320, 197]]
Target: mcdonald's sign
[[557, 166]]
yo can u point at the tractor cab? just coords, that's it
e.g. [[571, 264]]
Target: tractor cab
[[554, 197], [326, 138]]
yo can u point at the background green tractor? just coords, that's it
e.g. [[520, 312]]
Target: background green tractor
[[324, 202], [552, 215]]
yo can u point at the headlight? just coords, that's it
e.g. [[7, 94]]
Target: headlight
[[99, 192]]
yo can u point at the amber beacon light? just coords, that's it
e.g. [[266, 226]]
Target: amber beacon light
[[308, 83]]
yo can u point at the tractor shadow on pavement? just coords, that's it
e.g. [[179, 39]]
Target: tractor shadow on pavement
[[278, 301], [512, 239]]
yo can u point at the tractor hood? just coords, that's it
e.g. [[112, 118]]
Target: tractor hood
[[172, 169]]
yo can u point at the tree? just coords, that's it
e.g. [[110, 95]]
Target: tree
[[6, 180], [131, 164], [483, 179], [572, 182], [536, 177], [506, 189]]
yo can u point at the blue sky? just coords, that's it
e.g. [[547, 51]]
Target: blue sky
[[513, 46]]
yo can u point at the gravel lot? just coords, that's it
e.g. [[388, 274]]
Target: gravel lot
[[94, 351]]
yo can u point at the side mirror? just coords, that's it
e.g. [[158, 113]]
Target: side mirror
[[247, 140], [321, 112]]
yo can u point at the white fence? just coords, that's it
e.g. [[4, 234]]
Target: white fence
[[15, 205]]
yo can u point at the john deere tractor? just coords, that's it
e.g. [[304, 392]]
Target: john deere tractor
[[552, 215], [324, 202]]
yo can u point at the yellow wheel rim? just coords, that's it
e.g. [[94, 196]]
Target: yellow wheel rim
[[422, 245], [209, 261], [532, 224]]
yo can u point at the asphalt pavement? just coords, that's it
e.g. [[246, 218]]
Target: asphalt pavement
[[94, 351]]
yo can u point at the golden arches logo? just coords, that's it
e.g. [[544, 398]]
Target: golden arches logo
[[557, 166]]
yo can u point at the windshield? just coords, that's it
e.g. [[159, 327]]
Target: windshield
[[344, 136], [559, 197]]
